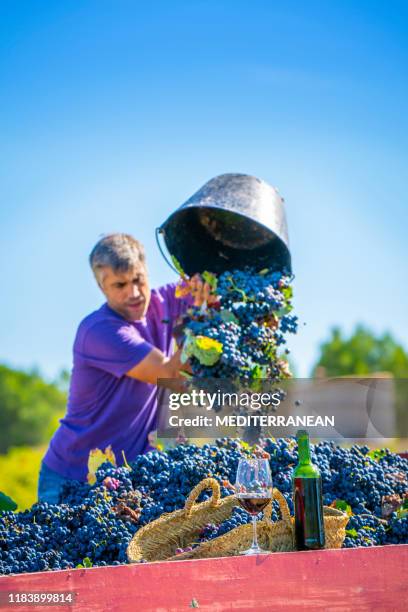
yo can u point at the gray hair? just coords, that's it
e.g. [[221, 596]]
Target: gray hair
[[118, 251]]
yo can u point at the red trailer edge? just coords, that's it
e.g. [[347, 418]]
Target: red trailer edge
[[340, 580]]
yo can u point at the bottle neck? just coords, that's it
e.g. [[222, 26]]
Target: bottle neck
[[304, 451], [305, 467]]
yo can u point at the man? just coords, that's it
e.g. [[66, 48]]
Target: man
[[119, 353]]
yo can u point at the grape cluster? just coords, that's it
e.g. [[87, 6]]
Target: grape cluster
[[95, 523], [238, 517], [250, 318], [51, 536]]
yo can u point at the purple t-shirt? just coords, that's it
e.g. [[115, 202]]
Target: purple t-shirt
[[105, 406]]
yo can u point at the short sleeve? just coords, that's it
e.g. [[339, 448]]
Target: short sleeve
[[114, 346]]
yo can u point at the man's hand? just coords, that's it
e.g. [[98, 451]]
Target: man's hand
[[199, 289]]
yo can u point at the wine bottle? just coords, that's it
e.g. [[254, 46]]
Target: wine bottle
[[307, 493]]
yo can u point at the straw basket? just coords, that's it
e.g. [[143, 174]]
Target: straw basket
[[335, 522], [159, 540], [275, 537]]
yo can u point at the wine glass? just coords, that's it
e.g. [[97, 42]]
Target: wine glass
[[253, 489]]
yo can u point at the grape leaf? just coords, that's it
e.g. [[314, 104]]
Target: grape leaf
[[353, 533], [211, 279], [259, 371], [376, 454], [227, 315], [342, 505], [188, 346], [6, 503], [287, 292], [85, 563], [96, 458], [284, 310], [207, 350], [402, 511]]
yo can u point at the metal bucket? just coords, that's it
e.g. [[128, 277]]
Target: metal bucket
[[233, 221]]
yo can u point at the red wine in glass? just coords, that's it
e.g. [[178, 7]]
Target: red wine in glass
[[253, 505], [253, 487]]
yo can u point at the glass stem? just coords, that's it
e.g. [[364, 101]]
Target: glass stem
[[254, 536]]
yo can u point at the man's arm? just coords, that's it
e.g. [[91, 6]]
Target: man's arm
[[156, 365]]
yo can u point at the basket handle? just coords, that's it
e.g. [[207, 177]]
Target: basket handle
[[283, 506], [207, 483]]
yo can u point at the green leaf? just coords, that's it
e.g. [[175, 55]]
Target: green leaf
[[376, 454], [211, 279], [188, 346], [227, 315], [342, 505], [259, 371], [402, 511], [287, 292], [263, 272], [352, 533], [207, 350], [284, 310], [87, 562], [6, 503], [177, 265]]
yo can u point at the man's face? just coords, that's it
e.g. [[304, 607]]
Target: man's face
[[127, 293]]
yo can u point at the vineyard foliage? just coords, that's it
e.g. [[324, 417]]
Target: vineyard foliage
[[30, 409], [19, 474], [29, 406], [362, 353]]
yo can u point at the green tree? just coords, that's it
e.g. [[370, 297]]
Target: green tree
[[28, 408], [362, 353], [62, 380]]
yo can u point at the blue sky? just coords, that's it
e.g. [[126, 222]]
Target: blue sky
[[113, 113]]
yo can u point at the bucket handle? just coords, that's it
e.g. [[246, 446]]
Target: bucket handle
[[159, 231]]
